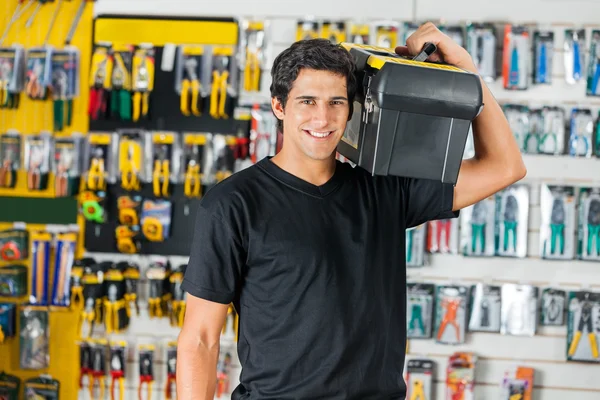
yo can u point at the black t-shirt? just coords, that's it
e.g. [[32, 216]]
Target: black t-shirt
[[317, 274]]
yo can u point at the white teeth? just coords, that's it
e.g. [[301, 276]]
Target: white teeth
[[319, 134]]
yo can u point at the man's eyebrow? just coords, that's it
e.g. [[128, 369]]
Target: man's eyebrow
[[306, 97]]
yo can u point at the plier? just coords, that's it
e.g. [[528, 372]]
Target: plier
[[97, 93], [416, 317], [252, 69], [146, 377], [418, 392], [171, 377], [85, 362], [34, 87], [161, 173], [61, 87], [440, 235], [409, 243], [117, 373], [190, 83], [511, 213], [478, 224], [192, 186], [120, 100], [141, 97], [129, 171], [96, 173], [111, 312], [98, 373], [452, 306], [178, 313], [557, 226], [585, 321], [7, 174], [61, 183], [593, 225], [34, 173], [218, 94]]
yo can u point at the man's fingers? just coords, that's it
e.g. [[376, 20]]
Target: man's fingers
[[402, 51]]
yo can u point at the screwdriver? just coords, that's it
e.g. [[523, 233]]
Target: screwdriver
[[76, 21]]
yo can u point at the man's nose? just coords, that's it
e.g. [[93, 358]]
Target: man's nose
[[321, 115]]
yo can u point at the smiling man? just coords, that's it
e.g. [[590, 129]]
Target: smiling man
[[311, 251]]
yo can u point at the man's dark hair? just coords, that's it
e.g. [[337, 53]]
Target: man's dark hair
[[317, 54]]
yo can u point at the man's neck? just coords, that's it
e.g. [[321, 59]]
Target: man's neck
[[316, 172]]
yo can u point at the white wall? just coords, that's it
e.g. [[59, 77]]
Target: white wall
[[555, 379]]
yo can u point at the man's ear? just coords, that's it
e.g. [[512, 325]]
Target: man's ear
[[277, 108]]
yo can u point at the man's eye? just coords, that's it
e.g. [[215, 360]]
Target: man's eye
[[337, 102], [306, 101]]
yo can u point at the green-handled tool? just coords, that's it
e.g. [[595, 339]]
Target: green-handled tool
[[593, 225], [557, 226], [478, 223], [511, 213]]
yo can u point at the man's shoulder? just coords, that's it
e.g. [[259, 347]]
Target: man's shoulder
[[235, 189]]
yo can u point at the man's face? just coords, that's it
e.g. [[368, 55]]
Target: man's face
[[315, 114]]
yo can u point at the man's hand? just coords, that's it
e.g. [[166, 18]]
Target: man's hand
[[448, 50]]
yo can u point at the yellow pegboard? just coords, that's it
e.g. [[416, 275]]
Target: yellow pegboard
[[33, 116]]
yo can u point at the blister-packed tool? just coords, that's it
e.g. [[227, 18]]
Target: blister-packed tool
[[223, 151], [558, 209], [478, 228], [485, 307], [42, 387], [385, 33], [129, 208], [516, 57], [177, 296], [156, 219], [553, 304], [12, 75], [223, 374], [420, 299], [519, 310], [420, 378], [588, 218], [451, 314], [133, 155], [117, 369], [97, 374], [67, 165], [10, 158], [512, 216], [359, 33], [189, 79], [13, 280], [518, 116], [10, 386], [581, 132], [93, 292], [8, 321], [121, 82], [146, 370], [194, 149], [460, 376], [166, 157], [307, 28], [593, 71], [517, 384], [583, 321], [128, 239], [222, 82], [65, 85], [574, 55], [100, 160], [253, 46], [143, 81], [14, 244], [263, 133], [34, 337], [159, 295], [171, 364], [100, 80], [442, 236], [76, 284], [37, 151], [41, 246], [334, 31], [85, 361], [415, 245], [546, 134], [131, 273], [543, 54], [38, 76], [116, 310], [481, 45], [64, 255]]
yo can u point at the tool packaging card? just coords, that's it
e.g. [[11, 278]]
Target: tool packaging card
[[419, 312], [553, 307], [419, 378], [477, 229], [589, 224], [583, 326], [486, 302], [519, 310], [512, 217], [558, 210], [451, 314]]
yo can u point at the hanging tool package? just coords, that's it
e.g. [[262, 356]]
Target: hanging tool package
[[397, 100], [583, 320], [558, 209], [512, 216]]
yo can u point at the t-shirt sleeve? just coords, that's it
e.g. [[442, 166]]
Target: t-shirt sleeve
[[216, 259], [427, 200]]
